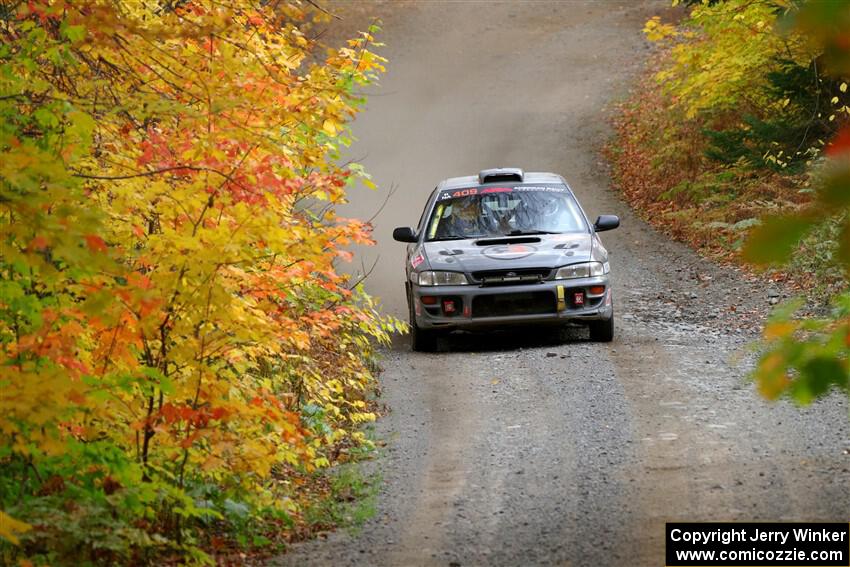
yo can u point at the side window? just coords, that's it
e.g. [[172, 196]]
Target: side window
[[440, 212], [420, 225]]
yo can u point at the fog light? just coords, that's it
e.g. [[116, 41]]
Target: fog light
[[578, 298], [597, 289], [448, 306], [428, 300]]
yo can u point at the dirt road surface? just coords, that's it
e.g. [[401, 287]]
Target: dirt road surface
[[534, 450]]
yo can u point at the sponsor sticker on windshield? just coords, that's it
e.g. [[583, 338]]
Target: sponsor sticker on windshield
[[469, 191], [535, 188]]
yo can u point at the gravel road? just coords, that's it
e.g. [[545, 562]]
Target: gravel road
[[529, 449]]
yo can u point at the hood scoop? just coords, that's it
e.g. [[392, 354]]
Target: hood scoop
[[507, 240]]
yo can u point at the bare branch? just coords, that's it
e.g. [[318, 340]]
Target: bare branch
[[321, 9]]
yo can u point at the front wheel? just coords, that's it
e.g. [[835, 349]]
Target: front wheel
[[422, 340], [602, 331]]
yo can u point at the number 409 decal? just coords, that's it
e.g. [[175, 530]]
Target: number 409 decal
[[465, 192]]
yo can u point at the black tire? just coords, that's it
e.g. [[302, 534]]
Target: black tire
[[602, 331], [420, 339]]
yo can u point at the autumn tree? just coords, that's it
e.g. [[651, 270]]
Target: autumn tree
[[806, 358], [175, 333], [752, 132]]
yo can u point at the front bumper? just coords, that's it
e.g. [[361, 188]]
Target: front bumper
[[477, 307]]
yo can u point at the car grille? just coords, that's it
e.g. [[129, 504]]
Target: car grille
[[505, 304], [511, 277]]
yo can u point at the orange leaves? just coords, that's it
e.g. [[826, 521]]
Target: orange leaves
[[256, 19], [76, 397], [43, 11], [138, 280], [345, 255], [38, 243], [95, 243], [172, 413], [183, 307]]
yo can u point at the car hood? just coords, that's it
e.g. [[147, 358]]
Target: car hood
[[543, 251]]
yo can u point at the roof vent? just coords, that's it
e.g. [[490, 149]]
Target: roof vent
[[500, 174]]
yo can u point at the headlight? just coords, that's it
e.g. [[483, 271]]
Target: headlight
[[584, 270], [429, 278]]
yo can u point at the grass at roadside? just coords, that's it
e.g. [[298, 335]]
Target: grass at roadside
[[342, 497], [350, 500]]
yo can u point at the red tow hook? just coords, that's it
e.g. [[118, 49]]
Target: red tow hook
[[448, 306]]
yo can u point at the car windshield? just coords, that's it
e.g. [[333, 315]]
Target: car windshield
[[504, 211]]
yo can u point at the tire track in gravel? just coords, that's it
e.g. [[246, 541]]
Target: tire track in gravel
[[451, 430]]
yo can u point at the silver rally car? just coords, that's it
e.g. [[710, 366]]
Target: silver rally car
[[506, 248]]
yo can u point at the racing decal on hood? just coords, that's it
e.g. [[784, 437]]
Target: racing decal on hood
[[473, 254], [509, 251]]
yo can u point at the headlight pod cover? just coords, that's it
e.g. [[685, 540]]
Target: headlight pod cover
[[430, 278], [583, 270]]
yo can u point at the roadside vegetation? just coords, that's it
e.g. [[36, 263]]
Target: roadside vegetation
[[737, 141], [180, 358]]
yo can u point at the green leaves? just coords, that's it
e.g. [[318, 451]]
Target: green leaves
[[72, 33], [776, 239], [804, 359], [817, 376], [761, 92]]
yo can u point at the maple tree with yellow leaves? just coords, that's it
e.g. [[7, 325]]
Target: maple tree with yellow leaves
[[174, 333]]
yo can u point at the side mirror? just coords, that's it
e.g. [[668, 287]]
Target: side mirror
[[404, 234], [606, 222]]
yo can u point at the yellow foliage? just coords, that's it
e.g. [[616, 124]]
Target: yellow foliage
[[656, 31], [10, 528], [170, 287], [729, 47]]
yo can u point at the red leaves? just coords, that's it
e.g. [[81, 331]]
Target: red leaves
[[172, 413], [110, 485], [76, 397], [95, 243], [840, 145], [54, 484], [176, 413], [137, 280], [38, 243], [42, 11], [156, 149]]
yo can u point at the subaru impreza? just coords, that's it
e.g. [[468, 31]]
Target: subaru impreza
[[506, 248]]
